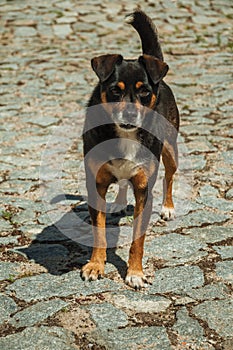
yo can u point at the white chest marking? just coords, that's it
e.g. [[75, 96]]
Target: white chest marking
[[126, 167]]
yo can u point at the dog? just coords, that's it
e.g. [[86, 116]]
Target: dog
[[132, 120]]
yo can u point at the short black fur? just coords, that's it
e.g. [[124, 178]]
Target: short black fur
[[131, 101]]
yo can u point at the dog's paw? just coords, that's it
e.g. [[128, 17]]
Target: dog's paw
[[136, 280], [167, 213], [92, 271]]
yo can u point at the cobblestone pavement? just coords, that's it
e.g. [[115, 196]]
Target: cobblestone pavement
[[46, 79]]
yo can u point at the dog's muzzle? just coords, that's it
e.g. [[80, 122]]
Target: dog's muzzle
[[128, 118]]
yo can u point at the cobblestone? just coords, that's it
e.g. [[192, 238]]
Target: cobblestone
[[37, 313], [177, 279], [7, 307], [46, 80], [100, 315], [42, 338], [190, 330], [45, 286], [146, 337], [213, 313]]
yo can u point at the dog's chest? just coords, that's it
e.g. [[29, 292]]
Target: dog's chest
[[126, 166]]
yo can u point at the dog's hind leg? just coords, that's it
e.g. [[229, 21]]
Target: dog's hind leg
[[120, 204], [121, 198], [170, 161]]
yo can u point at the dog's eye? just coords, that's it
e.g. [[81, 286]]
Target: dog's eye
[[144, 93]]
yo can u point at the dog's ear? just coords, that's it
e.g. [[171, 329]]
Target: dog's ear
[[104, 65], [155, 68]]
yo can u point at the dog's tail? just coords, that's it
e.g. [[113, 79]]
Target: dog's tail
[[147, 32]]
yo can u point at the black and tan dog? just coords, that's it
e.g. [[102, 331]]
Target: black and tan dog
[[132, 119]]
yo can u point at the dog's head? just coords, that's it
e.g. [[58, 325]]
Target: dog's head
[[129, 86]]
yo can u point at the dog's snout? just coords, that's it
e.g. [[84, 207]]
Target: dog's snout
[[130, 114]]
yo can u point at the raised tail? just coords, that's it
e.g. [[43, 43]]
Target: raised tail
[[147, 32]]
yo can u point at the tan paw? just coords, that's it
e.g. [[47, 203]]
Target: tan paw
[[136, 279], [92, 271], [167, 213]]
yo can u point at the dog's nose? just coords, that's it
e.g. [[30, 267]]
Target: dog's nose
[[130, 115]]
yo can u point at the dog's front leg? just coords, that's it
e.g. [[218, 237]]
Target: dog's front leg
[[95, 267], [142, 212], [97, 209]]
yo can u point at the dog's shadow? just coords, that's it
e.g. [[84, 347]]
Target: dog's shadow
[[66, 244]]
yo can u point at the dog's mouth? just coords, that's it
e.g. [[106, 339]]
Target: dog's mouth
[[127, 126]]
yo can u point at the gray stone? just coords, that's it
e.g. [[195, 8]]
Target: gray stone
[[66, 19], [209, 292], [49, 234], [224, 270], [7, 307], [175, 249], [134, 338], [190, 330], [9, 270], [182, 300], [44, 253], [209, 79], [188, 164], [197, 218], [226, 252], [178, 279], [229, 194], [201, 146], [44, 219], [32, 142], [210, 234], [62, 30], [44, 30], [111, 25], [37, 313], [25, 31], [220, 203], [138, 302], [208, 191], [10, 66], [228, 344], [5, 226], [44, 121], [217, 177], [46, 286], [198, 130], [198, 162], [16, 186], [218, 314], [9, 240], [34, 338], [228, 156], [25, 216], [100, 315]]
